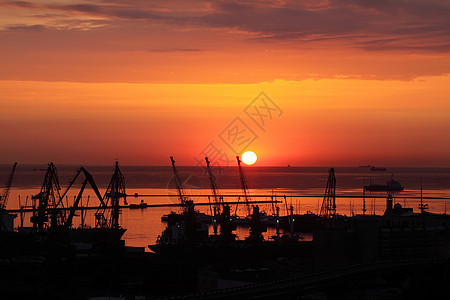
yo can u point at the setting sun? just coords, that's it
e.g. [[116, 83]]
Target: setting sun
[[249, 157]]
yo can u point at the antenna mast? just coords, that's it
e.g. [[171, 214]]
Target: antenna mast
[[422, 206]]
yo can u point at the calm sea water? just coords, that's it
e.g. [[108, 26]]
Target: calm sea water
[[144, 225]]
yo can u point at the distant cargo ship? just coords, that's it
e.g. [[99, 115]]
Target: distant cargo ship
[[373, 168], [390, 186], [140, 205]]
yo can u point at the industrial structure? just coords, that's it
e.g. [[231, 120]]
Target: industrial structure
[[244, 186], [7, 219], [328, 209], [56, 259]]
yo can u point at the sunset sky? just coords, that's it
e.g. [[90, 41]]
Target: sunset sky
[[345, 83]]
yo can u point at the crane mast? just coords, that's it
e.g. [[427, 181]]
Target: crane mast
[[5, 193], [244, 185]]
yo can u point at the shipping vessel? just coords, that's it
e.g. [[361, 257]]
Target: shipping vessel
[[390, 186], [377, 169]]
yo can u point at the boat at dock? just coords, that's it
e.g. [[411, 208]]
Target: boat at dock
[[305, 223]]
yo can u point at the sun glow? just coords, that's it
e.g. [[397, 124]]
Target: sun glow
[[249, 157]]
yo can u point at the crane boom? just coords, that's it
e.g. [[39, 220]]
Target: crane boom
[[212, 182], [68, 222], [91, 181], [88, 179], [244, 185], [177, 182], [5, 194]]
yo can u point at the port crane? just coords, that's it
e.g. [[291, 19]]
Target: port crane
[[4, 195], [113, 194], [4, 199], [218, 200], [244, 185], [183, 199], [49, 204], [328, 209], [88, 179], [51, 214]]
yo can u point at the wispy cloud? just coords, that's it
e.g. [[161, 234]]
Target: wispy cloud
[[243, 33], [404, 21], [27, 27], [175, 50]]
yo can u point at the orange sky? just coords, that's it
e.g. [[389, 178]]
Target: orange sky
[[356, 82]]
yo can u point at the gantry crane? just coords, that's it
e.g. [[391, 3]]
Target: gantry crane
[[5, 193]]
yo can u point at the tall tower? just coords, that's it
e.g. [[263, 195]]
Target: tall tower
[[389, 202]]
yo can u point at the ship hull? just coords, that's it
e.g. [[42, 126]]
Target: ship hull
[[95, 235], [382, 188]]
